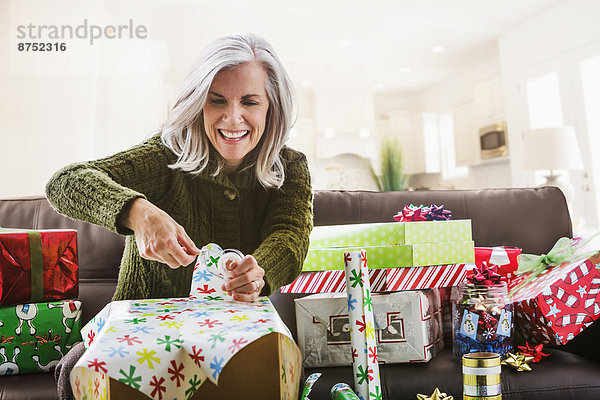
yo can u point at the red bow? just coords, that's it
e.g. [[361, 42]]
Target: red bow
[[412, 213], [485, 275], [535, 352]]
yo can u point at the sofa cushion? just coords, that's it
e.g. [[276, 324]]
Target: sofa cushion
[[28, 387]]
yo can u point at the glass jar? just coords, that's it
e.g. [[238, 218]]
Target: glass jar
[[482, 320]]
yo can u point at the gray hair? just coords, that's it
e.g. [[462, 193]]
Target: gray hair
[[183, 133]]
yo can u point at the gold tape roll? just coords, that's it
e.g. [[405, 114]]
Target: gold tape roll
[[479, 360], [498, 397], [481, 380]]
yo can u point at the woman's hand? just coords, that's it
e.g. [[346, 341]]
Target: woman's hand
[[157, 235], [247, 279]]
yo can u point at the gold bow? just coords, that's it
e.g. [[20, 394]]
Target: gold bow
[[436, 395]]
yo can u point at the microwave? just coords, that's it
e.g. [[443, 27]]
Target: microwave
[[492, 140]]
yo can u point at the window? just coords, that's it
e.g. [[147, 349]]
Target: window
[[543, 99], [545, 110], [590, 79], [449, 168]]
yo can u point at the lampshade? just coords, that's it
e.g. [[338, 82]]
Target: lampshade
[[551, 148]]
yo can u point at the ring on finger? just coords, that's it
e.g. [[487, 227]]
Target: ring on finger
[[257, 286]]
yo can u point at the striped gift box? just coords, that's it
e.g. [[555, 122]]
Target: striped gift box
[[383, 280]]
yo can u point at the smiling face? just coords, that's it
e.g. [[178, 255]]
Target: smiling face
[[235, 112]]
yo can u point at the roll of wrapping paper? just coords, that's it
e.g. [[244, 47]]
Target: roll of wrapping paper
[[481, 376], [341, 391], [362, 326], [310, 381]]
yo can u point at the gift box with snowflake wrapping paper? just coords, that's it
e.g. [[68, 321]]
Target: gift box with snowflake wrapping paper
[[408, 327], [35, 336]]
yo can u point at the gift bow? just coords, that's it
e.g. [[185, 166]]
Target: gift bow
[[436, 395], [484, 275], [563, 251], [412, 213], [438, 213], [535, 352]]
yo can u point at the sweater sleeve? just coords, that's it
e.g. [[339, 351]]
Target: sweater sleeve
[[97, 191], [287, 226]]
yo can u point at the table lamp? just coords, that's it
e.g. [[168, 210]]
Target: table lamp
[[552, 149]]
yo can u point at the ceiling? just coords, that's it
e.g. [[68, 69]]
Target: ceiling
[[383, 38]]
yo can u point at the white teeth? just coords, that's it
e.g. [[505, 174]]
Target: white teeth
[[232, 134]]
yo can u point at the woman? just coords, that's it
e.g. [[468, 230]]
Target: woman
[[217, 172]]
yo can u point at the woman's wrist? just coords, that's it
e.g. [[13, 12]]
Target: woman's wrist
[[131, 212]]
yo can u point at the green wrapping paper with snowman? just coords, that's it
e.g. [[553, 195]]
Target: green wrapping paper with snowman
[[35, 336]]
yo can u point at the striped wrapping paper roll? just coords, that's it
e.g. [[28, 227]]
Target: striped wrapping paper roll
[[362, 327], [481, 376], [383, 280]]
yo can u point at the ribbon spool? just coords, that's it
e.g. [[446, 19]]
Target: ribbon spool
[[228, 254], [481, 376]]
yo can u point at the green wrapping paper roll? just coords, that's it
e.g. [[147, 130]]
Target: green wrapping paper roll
[[310, 381], [341, 391]]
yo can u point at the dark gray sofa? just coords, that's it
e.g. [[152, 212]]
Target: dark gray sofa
[[532, 219]]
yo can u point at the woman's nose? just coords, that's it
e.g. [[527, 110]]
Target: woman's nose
[[233, 115]]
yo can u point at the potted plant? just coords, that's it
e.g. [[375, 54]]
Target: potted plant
[[392, 178]]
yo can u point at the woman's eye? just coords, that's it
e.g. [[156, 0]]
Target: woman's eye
[[217, 102], [250, 103]]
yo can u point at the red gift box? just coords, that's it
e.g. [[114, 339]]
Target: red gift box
[[506, 258], [38, 266], [383, 280], [558, 304]]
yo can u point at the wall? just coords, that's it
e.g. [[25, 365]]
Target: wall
[[552, 41], [51, 119], [442, 98]]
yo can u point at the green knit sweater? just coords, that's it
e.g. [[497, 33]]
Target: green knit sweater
[[234, 211]]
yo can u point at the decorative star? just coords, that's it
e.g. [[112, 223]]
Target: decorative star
[[436, 395], [553, 310], [558, 337], [582, 291], [518, 361]]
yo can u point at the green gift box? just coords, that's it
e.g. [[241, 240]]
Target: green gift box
[[35, 336], [388, 233], [392, 245], [394, 256]]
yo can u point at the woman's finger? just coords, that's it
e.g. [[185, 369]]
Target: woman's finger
[[170, 261], [239, 283], [247, 263], [178, 253], [187, 243], [246, 297]]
